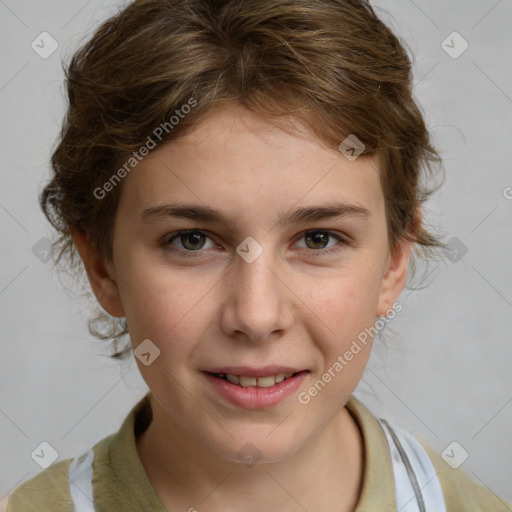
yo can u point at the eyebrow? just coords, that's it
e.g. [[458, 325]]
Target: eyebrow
[[209, 215]]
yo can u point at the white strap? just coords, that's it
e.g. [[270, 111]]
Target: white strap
[[80, 482], [416, 483]]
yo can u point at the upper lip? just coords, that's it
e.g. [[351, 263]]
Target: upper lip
[[254, 372]]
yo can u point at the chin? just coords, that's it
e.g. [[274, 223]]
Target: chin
[[257, 446]]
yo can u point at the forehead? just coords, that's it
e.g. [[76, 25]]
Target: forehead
[[235, 160]]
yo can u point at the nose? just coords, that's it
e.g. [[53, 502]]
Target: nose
[[259, 304]]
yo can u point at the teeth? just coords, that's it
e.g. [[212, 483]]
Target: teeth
[[245, 382], [232, 378], [266, 382], [261, 382]]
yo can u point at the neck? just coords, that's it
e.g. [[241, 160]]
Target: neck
[[325, 474]]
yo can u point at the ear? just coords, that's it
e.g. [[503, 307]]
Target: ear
[[394, 277], [99, 272]]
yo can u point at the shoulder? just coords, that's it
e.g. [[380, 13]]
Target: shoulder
[[46, 491], [462, 492], [50, 490]]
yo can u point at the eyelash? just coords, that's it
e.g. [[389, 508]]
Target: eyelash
[[317, 253]]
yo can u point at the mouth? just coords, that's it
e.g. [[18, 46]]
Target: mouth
[[251, 388], [247, 381]]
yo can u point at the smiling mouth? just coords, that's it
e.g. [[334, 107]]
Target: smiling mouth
[[245, 381]]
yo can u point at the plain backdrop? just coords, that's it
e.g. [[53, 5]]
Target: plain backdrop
[[445, 374]]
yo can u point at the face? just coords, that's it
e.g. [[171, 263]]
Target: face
[[263, 283]]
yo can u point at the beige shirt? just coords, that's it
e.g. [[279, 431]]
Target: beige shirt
[[120, 482]]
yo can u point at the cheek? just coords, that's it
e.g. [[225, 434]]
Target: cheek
[[342, 318], [345, 299], [160, 304]]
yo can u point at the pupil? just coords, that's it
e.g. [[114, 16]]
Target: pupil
[[318, 237], [195, 237]]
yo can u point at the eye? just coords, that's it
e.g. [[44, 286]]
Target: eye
[[317, 240], [191, 241]]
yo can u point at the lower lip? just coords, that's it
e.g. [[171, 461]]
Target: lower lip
[[254, 397]]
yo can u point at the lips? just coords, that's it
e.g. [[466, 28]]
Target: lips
[[255, 388]]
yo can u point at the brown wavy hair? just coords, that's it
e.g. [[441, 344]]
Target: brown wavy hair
[[332, 65]]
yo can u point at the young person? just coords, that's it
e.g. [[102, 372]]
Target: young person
[[242, 183]]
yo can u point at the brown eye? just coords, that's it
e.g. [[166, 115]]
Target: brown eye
[[189, 241], [318, 239], [192, 240]]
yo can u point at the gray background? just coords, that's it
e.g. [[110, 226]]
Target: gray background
[[445, 374]]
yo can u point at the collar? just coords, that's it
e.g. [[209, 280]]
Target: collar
[[378, 482]]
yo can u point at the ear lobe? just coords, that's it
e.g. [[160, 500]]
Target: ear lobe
[[102, 283], [395, 277]]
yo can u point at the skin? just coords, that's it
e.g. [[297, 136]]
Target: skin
[[290, 306]]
